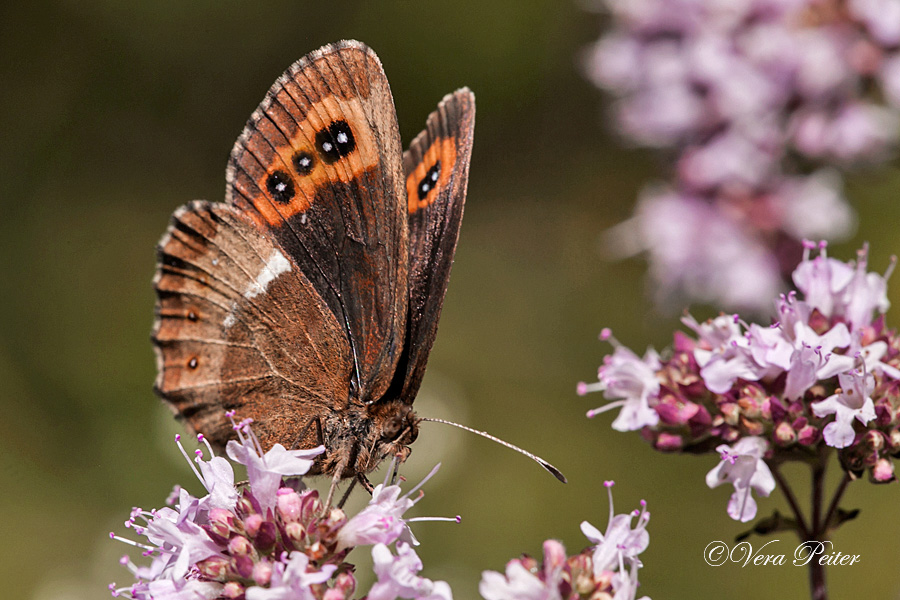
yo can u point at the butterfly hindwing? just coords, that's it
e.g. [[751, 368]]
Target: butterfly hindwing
[[239, 326], [319, 166], [436, 167]]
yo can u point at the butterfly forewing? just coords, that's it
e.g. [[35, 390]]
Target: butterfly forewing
[[319, 167], [437, 172]]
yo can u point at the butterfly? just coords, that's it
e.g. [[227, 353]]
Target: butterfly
[[309, 300]]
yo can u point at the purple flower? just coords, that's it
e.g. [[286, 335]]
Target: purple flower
[[263, 542], [733, 93], [743, 466], [398, 576], [265, 470], [382, 522], [633, 379], [695, 249], [842, 290], [852, 402], [620, 544]]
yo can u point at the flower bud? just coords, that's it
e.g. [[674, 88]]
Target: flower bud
[[240, 546], [668, 442], [808, 435], [243, 564], [221, 522], [262, 572], [785, 434], [295, 532], [895, 441], [245, 504], [874, 440], [883, 471], [216, 568], [346, 583], [252, 523], [731, 412], [289, 504], [752, 427], [233, 589], [554, 554]]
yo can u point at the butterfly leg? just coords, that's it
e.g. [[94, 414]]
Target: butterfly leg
[[335, 479], [347, 493], [395, 466], [365, 483]]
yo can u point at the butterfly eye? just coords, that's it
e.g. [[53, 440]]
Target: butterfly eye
[[335, 142], [280, 187], [303, 162], [429, 182]]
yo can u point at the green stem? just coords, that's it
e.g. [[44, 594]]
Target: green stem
[[832, 508], [817, 587], [792, 501]]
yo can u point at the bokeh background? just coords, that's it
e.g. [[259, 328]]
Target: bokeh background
[[113, 114]]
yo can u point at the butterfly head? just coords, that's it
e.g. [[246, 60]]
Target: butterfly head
[[396, 426]]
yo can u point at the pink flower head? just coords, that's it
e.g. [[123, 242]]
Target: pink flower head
[[743, 466]]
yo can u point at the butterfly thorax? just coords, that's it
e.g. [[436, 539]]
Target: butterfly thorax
[[358, 438]]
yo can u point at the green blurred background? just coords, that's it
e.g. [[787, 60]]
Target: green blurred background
[[113, 114]]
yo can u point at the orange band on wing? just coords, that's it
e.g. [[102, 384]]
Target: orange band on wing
[[332, 143], [443, 150]]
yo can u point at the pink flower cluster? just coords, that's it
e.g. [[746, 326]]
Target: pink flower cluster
[[826, 374], [606, 569], [759, 100], [272, 539]]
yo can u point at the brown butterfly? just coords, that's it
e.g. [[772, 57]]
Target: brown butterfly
[[309, 300]]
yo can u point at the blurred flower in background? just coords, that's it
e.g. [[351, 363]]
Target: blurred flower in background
[[759, 105]]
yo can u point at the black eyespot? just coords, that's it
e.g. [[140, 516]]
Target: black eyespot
[[192, 316], [429, 182], [335, 142], [304, 162], [280, 187], [193, 362]]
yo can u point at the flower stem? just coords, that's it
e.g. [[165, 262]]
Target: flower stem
[[832, 508], [804, 531], [819, 531]]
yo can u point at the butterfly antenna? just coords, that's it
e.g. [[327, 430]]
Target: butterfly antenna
[[553, 470]]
